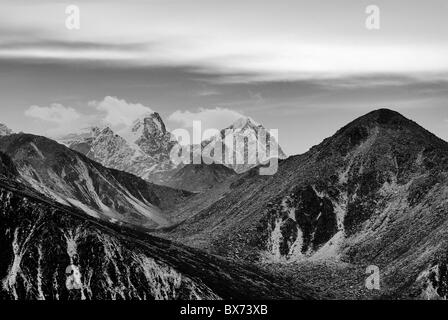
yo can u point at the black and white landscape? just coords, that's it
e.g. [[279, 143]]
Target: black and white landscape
[[94, 205]]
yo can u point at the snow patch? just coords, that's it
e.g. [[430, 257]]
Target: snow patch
[[37, 150], [331, 248]]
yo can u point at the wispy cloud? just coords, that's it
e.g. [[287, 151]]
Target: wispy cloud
[[198, 36], [58, 119], [54, 113], [117, 112], [111, 111], [208, 92]]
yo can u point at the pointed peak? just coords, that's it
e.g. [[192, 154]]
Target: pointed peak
[[150, 115], [146, 115], [106, 130], [95, 130], [244, 122], [380, 118], [149, 119], [387, 124]]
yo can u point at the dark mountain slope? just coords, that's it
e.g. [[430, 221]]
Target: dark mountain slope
[[7, 167], [73, 179], [199, 177], [374, 193], [40, 239]]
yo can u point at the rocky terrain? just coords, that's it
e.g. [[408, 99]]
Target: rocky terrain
[[72, 179], [142, 149], [373, 194], [51, 251], [199, 177]]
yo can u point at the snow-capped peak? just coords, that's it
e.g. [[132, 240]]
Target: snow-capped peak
[[244, 122], [147, 126], [155, 123]]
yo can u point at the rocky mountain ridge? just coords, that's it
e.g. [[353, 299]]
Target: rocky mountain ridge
[[373, 194], [54, 252], [143, 149], [72, 179]]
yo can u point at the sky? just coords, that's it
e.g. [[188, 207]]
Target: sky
[[305, 68]]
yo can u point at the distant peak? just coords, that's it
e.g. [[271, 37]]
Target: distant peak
[[146, 115], [147, 124], [105, 130], [243, 122], [150, 114]]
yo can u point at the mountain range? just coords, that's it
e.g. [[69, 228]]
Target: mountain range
[[41, 239], [373, 194], [72, 179], [141, 149], [144, 148]]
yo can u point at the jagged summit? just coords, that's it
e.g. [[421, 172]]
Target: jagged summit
[[143, 148], [244, 122], [148, 125], [248, 130], [149, 133]]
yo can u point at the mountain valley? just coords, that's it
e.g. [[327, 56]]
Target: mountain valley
[[373, 194]]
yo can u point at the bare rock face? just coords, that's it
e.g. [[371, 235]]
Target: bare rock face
[[432, 283], [151, 136]]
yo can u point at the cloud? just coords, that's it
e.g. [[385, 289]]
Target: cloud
[[217, 118], [208, 92], [56, 113], [118, 112], [274, 47], [58, 120]]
